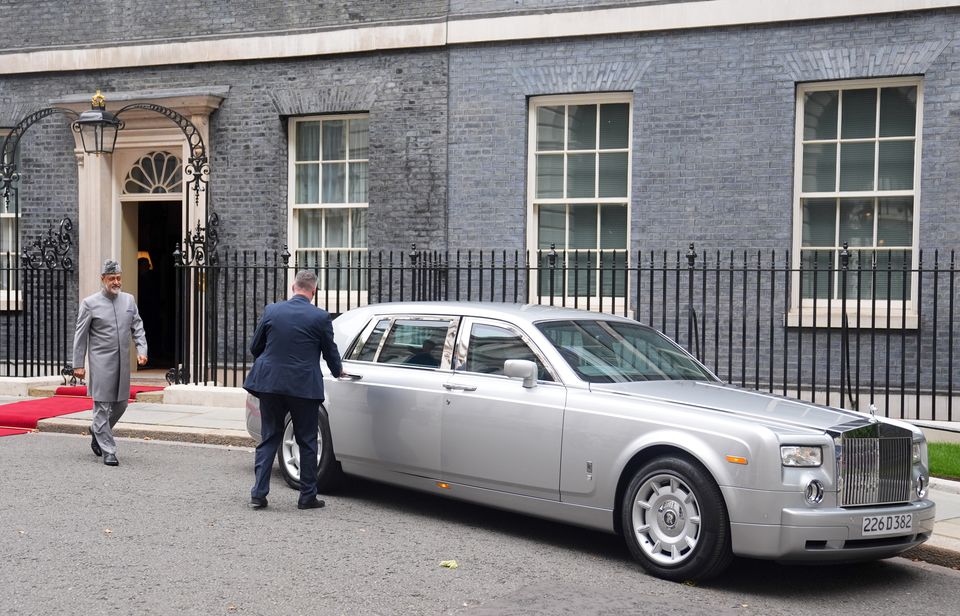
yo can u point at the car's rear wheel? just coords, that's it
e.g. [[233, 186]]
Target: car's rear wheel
[[328, 469], [674, 521]]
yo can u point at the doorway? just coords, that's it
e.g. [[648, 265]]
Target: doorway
[[158, 231]]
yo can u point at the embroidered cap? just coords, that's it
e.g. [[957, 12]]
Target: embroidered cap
[[110, 267]]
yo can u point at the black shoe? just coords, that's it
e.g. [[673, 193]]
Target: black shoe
[[110, 459], [95, 446], [257, 502], [316, 503]]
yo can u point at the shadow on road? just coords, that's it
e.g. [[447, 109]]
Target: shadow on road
[[746, 576], [842, 581], [434, 507]]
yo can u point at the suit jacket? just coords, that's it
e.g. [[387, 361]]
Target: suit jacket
[[105, 325], [287, 344]]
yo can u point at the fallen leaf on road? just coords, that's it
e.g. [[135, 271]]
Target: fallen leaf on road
[[231, 607], [107, 531], [449, 564]]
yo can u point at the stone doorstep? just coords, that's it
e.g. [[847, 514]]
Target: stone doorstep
[[21, 386], [190, 395], [48, 391], [218, 436], [42, 391], [155, 397], [205, 395]]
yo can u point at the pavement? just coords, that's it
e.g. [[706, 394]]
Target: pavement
[[226, 425]]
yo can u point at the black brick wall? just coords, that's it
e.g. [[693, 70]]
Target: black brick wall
[[54, 23]]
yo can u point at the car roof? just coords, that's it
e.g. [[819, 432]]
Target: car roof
[[529, 313]]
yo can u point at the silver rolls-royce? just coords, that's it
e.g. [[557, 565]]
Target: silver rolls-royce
[[599, 421]]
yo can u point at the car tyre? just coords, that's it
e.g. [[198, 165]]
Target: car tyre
[[674, 521], [329, 474]]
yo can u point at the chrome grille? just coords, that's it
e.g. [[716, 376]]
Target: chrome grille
[[875, 471]]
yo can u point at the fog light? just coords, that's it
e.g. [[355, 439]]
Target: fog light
[[921, 486], [814, 492]]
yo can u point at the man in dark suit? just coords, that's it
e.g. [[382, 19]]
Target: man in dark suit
[[287, 346]]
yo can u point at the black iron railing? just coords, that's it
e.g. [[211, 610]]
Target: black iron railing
[[38, 306], [848, 328]]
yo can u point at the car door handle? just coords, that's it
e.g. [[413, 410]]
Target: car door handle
[[453, 387], [351, 377]]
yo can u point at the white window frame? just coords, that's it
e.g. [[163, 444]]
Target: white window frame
[[803, 311], [293, 208], [10, 299], [598, 98]]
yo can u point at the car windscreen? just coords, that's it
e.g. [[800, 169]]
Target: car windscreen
[[615, 352]]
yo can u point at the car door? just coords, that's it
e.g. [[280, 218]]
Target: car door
[[388, 413], [496, 433]]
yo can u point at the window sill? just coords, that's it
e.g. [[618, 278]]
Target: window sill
[[832, 318], [337, 301], [10, 301]]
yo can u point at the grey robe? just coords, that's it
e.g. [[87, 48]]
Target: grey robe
[[105, 325]]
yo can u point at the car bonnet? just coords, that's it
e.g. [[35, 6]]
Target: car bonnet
[[750, 405]]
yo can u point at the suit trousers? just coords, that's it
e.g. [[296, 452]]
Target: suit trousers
[[105, 417], [305, 414]]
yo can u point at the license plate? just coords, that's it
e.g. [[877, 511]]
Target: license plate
[[875, 525]]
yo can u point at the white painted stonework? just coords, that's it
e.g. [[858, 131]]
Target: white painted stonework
[[468, 30], [203, 395], [20, 386]]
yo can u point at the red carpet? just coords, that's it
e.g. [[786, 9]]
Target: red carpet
[[26, 414], [81, 390], [21, 417], [12, 431]]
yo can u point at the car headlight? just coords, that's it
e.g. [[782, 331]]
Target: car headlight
[[917, 450], [801, 455]]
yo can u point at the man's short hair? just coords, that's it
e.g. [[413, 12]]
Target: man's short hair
[[306, 281]]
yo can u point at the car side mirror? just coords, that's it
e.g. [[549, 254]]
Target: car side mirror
[[521, 369]]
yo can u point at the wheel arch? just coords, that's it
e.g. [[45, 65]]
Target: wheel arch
[[326, 417], [652, 452]]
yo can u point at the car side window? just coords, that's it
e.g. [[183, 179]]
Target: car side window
[[368, 350], [489, 346], [415, 343]]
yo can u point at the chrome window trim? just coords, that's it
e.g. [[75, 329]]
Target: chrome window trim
[[445, 356], [361, 340]]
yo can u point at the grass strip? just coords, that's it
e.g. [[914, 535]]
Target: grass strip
[[944, 460]]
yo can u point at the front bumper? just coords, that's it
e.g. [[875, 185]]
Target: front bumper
[[830, 534]]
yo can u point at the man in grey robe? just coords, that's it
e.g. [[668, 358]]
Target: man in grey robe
[[105, 324]]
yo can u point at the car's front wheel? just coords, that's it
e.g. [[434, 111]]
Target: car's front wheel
[[675, 522], [328, 469]]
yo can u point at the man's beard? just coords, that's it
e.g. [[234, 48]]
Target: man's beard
[[113, 290]]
